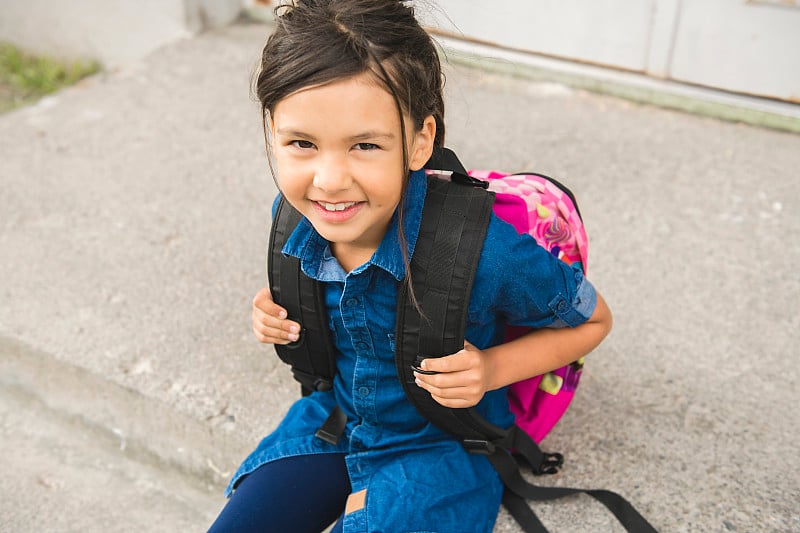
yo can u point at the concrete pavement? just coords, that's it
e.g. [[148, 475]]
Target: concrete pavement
[[135, 208]]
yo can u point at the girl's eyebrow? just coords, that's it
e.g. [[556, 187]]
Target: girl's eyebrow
[[294, 133], [372, 135], [366, 135]]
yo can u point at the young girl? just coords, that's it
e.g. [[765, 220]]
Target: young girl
[[351, 92]]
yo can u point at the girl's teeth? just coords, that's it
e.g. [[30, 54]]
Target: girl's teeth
[[337, 207]]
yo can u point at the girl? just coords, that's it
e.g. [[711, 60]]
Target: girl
[[351, 92]]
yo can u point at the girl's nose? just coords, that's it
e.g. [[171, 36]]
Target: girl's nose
[[332, 176]]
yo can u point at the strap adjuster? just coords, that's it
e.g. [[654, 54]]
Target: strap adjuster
[[480, 447], [333, 427]]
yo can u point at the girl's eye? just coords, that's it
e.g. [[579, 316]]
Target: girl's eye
[[367, 146], [303, 144]]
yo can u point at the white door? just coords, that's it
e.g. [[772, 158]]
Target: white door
[[747, 46]]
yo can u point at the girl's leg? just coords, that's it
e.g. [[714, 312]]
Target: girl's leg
[[305, 494]]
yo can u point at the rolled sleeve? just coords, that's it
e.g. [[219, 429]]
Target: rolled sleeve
[[578, 311]]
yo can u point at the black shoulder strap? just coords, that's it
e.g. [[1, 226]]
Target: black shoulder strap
[[454, 223], [312, 358]]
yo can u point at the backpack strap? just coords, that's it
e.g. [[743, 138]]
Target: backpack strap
[[312, 357], [454, 223], [518, 490], [455, 218]]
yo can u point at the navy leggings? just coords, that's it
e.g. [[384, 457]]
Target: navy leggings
[[305, 494]]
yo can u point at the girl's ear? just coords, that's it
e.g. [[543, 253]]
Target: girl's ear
[[422, 144], [269, 130], [269, 125]]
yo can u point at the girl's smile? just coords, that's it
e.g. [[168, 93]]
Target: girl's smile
[[337, 212], [339, 155]]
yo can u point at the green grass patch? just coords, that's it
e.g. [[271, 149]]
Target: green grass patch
[[24, 77]]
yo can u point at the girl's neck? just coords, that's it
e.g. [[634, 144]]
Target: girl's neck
[[351, 256]]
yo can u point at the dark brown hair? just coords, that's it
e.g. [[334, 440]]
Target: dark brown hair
[[322, 41]]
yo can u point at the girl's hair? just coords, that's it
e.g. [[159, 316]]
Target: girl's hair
[[323, 41]]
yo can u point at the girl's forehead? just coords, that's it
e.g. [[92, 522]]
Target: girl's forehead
[[357, 101]]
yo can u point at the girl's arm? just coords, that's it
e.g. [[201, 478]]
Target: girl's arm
[[464, 377]]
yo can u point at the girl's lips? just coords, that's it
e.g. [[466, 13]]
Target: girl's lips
[[336, 206], [336, 212]]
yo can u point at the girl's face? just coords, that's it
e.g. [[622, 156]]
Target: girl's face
[[339, 156]]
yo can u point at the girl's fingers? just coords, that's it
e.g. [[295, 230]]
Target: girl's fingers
[[272, 335], [454, 389], [456, 397], [276, 322], [269, 321], [282, 333], [443, 381], [438, 382], [462, 360]]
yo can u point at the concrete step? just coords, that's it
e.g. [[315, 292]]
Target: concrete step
[[62, 474]]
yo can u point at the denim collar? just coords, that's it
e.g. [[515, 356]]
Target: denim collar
[[314, 251]]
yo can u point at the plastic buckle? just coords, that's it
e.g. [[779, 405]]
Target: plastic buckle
[[466, 179], [481, 447], [322, 385], [551, 462], [417, 366]]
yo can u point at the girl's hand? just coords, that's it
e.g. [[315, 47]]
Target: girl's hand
[[462, 379], [269, 320]]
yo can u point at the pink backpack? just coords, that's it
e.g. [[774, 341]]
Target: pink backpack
[[546, 210]]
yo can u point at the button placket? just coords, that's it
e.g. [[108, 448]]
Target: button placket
[[354, 316]]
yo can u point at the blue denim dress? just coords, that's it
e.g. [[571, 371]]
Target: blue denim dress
[[418, 478]]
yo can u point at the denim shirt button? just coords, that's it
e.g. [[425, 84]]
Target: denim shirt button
[[363, 391], [362, 345], [351, 302], [562, 306]]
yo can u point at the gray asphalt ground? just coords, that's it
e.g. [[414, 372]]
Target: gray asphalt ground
[[135, 209]]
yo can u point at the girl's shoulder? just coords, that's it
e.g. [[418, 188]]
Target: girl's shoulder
[[505, 246], [518, 279]]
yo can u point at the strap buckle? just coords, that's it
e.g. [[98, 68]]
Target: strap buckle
[[550, 464], [323, 385], [311, 383]]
